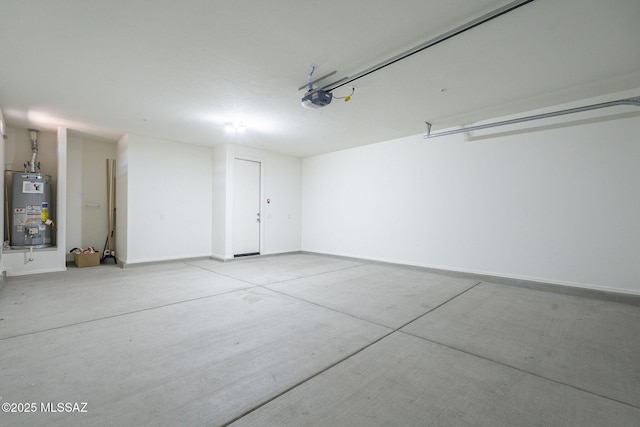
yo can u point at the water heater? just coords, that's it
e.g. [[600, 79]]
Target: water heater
[[29, 216]]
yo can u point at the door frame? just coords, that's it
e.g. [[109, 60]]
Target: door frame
[[231, 202]]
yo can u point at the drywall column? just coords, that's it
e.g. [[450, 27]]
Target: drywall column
[[61, 199], [219, 199], [169, 200], [74, 195], [122, 198]]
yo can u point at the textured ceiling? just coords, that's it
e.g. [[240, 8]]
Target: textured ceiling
[[179, 70]]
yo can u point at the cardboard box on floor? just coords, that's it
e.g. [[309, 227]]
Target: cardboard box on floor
[[87, 260]]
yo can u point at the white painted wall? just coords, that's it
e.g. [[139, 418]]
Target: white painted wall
[[282, 216], [168, 203], [281, 177], [558, 204], [17, 150], [87, 191], [94, 191]]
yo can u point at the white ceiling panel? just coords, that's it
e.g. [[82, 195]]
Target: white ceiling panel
[[179, 70]]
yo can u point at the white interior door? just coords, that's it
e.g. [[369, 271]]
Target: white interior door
[[246, 207]]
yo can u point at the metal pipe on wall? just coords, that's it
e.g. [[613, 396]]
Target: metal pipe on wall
[[627, 101], [33, 134]]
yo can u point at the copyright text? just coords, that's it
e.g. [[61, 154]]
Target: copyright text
[[48, 407]]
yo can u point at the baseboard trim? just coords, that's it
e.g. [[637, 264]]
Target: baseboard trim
[[28, 273], [124, 264], [617, 295], [262, 255]]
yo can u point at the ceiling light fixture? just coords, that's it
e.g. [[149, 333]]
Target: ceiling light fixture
[[234, 127]]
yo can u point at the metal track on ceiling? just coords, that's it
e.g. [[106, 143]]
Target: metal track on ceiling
[[434, 41], [627, 101]]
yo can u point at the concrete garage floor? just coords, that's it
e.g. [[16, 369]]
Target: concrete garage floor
[[303, 339]]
